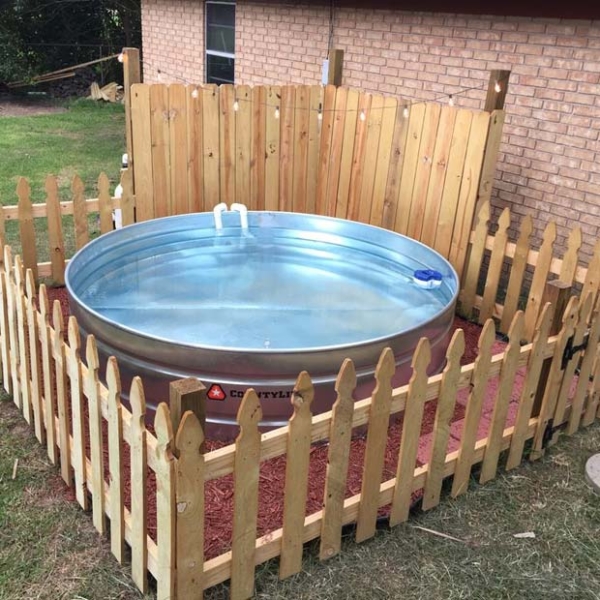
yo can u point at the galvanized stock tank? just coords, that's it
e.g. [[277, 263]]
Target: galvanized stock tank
[[249, 299]]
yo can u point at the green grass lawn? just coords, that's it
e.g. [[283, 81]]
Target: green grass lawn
[[85, 140]]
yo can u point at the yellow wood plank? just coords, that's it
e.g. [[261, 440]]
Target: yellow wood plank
[[4, 333], [409, 167], [314, 142], [375, 449], [350, 120], [273, 126], [227, 117], [569, 261], [592, 277], [178, 146], [258, 147], [336, 150], [143, 149], [473, 414], [411, 432], [243, 143], [452, 183], [517, 271], [327, 119], [212, 147], [301, 140], [245, 510], [384, 154], [492, 280], [337, 461], [467, 201], [104, 204], [96, 436], [296, 477], [540, 276], [11, 312], [166, 508], [23, 341], [489, 156], [115, 461], [190, 507], [592, 393], [443, 419], [287, 150], [139, 498], [439, 170], [34, 358], [55, 231], [195, 145], [26, 228], [418, 201], [161, 171]]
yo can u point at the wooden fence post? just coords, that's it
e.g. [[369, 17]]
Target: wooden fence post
[[497, 90], [557, 293], [131, 74], [187, 394], [336, 62]]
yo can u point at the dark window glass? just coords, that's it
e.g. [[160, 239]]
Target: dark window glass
[[219, 69], [220, 27]]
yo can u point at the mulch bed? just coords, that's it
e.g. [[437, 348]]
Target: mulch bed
[[219, 496]]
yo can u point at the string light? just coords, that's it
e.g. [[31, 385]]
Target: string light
[[195, 93], [277, 113], [363, 115], [320, 113], [405, 112], [450, 100], [497, 87], [236, 106], [121, 57]]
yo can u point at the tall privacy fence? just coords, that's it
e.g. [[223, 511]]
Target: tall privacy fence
[[146, 485], [418, 169]]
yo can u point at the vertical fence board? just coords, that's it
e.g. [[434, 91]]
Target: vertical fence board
[[490, 154], [528, 393], [336, 148], [474, 406], [159, 122], [361, 130], [96, 438], [60, 379], [23, 340], [211, 145], [592, 393], [195, 145], [452, 182], [115, 460], [592, 277], [243, 144], [34, 358], [273, 148], [517, 271], [189, 490], [340, 436], [301, 140], [26, 228], [350, 119], [423, 172], [502, 400], [411, 433], [127, 199], [12, 326], [143, 150], [179, 145], [245, 510], [443, 417], [375, 450], [327, 121], [104, 206], [80, 220], [49, 375], [388, 121], [409, 166], [165, 504], [569, 260], [394, 178], [296, 477], [258, 148], [227, 143], [139, 499], [287, 150], [77, 412], [492, 280], [540, 276], [4, 332], [314, 143], [55, 231], [437, 180]]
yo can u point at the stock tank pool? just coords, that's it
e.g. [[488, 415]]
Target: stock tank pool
[[249, 299]]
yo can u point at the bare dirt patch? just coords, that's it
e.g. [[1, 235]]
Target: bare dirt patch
[[26, 106]]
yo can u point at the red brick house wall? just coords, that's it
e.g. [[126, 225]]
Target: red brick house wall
[[549, 164]]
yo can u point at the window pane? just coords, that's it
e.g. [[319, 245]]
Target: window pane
[[220, 38], [219, 69], [220, 14]]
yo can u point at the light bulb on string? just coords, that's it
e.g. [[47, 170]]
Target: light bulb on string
[[497, 88], [450, 100], [363, 115], [277, 113], [195, 93], [320, 113], [236, 106], [405, 112], [121, 57]]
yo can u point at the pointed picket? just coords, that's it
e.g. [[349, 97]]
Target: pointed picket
[[49, 375]]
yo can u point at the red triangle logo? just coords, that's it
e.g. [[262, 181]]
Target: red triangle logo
[[215, 392]]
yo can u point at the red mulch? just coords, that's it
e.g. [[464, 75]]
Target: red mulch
[[219, 492]]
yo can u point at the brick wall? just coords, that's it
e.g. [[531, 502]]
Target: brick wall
[[549, 163]]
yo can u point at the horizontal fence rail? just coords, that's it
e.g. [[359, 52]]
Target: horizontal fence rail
[[504, 266], [115, 461]]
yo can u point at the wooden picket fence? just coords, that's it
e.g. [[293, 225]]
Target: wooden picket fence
[[508, 261], [81, 420], [320, 150]]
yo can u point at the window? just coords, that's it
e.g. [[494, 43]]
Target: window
[[220, 42]]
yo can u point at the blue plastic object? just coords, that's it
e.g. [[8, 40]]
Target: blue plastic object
[[427, 278]]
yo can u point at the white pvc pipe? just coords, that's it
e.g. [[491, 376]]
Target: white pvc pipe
[[243, 210], [218, 211]]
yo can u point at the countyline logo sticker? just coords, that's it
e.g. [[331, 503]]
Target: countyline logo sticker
[[215, 392]]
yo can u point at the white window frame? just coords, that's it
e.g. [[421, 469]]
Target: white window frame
[[208, 52]]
